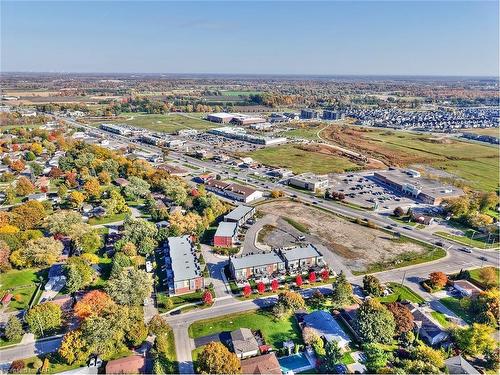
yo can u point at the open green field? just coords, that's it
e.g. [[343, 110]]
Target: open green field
[[22, 284], [475, 163], [495, 132], [168, 123], [303, 133], [274, 332], [300, 161], [402, 293]]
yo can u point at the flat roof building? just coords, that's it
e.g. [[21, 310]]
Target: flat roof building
[[225, 235], [308, 114], [302, 258], [183, 270], [411, 183], [255, 265], [240, 214], [309, 181], [221, 118]]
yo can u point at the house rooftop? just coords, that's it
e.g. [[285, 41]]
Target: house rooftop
[[226, 229], [297, 253], [256, 260], [326, 326], [184, 264], [458, 365], [243, 341], [134, 364], [263, 364], [238, 213]]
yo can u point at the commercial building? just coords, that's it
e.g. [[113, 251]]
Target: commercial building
[[240, 119], [183, 270], [256, 265], [332, 115], [221, 118], [410, 182], [152, 140], [302, 258], [225, 235], [308, 114], [309, 181], [240, 214], [241, 135], [233, 191], [116, 129]]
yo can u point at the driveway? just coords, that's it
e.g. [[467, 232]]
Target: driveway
[[223, 337]]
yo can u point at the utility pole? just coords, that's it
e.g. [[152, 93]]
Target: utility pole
[[403, 279]]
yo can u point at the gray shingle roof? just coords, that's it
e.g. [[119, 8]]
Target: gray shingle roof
[[256, 260], [238, 213], [301, 253]]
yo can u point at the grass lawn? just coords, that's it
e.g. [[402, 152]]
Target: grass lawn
[[177, 300], [474, 274], [274, 332], [299, 161], [405, 259], [300, 227], [441, 319], [107, 219], [403, 293], [168, 123], [22, 284], [310, 133], [56, 364], [347, 359], [467, 241], [105, 265], [454, 305], [5, 342]]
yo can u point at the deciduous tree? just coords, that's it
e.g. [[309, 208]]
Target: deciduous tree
[[374, 323], [342, 291], [438, 279], [261, 287], [44, 318], [372, 286], [28, 215], [94, 303], [207, 297], [402, 317], [24, 187], [14, 329], [130, 287], [247, 290], [217, 359], [73, 347]]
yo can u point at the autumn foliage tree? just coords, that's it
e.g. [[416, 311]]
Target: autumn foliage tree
[[247, 290], [261, 288], [207, 297], [93, 303], [24, 187], [299, 281], [438, 279], [312, 277], [274, 285], [325, 275], [402, 316], [217, 359]]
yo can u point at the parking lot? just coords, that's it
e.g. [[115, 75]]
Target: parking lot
[[221, 143], [362, 190]]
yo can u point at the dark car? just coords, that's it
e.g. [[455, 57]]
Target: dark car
[[439, 243]]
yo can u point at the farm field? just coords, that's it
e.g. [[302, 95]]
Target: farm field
[[168, 123], [477, 164], [300, 160], [363, 249]]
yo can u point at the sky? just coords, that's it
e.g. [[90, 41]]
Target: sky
[[252, 37]]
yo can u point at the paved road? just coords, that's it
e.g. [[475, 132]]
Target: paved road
[[30, 350]]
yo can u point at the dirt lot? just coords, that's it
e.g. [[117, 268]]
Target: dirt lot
[[358, 245]]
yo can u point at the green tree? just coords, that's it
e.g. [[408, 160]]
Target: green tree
[[372, 286], [474, 340], [73, 348], [62, 222], [376, 358], [14, 329], [36, 168], [44, 318], [79, 274], [217, 359], [332, 357], [341, 292], [130, 287], [137, 188], [374, 323], [115, 204]]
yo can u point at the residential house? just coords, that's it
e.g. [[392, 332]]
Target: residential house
[[121, 182], [40, 197], [183, 270], [244, 343], [427, 329], [302, 258], [134, 364], [466, 288], [240, 214], [256, 265], [458, 365], [225, 235], [263, 364], [326, 327]]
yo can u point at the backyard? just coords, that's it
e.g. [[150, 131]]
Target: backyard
[[22, 284], [274, 332], [454, 305]]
